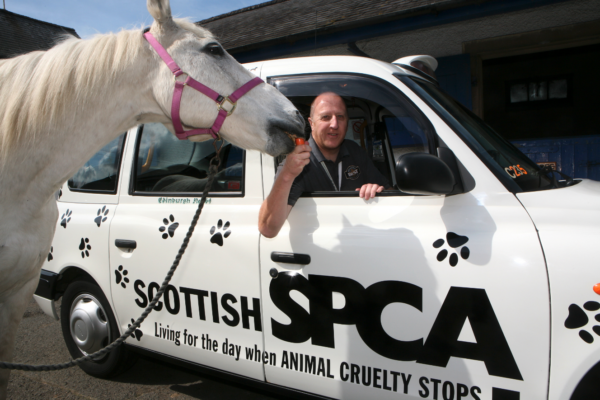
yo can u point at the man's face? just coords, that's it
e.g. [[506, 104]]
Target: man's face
[[329, 121]]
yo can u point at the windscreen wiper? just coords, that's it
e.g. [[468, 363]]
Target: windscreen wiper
[[547, 169]]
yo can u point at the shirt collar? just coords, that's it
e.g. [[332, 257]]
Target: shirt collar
[[320, 157]]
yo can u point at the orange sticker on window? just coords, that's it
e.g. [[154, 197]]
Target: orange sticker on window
[[515, 171]]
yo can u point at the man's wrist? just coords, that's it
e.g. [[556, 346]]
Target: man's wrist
[[287, 176]]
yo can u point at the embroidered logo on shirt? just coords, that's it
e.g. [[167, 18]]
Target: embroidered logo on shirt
[[352, 172]]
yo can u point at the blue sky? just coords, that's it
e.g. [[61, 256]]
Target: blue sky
[[89, 17]]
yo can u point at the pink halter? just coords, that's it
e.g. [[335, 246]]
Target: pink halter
[[189, 81]]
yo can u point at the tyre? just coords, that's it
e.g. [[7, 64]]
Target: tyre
[[88, 325]]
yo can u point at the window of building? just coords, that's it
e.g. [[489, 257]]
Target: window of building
[[536, 92]]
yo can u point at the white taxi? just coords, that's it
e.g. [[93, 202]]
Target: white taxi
[[475, 278]]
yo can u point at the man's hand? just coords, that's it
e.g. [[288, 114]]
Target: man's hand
[[296, 161], [368, 190]]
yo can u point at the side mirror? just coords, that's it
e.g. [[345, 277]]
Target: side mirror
[[423, 173]]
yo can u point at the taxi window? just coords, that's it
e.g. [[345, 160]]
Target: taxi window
[[381, 120], [100, 173], [165, 164], [405, 135]]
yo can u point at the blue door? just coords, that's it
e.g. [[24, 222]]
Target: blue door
[[454, 75]]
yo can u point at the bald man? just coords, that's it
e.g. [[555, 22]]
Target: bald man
[[335, 164]]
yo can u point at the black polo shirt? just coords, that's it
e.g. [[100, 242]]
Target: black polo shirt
[[356, 169]]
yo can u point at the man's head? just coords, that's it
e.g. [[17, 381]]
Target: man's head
[[328, 121]]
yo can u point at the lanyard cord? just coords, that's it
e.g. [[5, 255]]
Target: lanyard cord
[[337, 188]]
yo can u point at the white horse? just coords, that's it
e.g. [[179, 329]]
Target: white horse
[[59, 107]]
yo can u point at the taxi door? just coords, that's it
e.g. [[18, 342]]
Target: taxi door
[[210, 313], [404, 296]]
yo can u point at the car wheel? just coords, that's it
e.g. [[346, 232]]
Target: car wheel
[[88, 325]]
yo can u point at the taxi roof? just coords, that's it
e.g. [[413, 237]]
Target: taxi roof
[[327, 64]]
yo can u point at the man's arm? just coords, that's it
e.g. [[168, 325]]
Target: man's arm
[[275, 209]]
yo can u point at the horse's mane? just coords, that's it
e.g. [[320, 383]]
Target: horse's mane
[[40, 88]]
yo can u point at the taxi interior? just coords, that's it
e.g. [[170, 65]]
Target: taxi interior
[[383, 135]]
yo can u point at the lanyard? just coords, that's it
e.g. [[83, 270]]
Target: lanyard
[[337, 188]]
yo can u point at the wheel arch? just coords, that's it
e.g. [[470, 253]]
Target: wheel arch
[[69, 275]]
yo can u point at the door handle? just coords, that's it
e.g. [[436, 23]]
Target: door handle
[[125, 244], [290, 258]]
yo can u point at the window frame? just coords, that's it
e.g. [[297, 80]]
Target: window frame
[[133, 174], [430, 132]]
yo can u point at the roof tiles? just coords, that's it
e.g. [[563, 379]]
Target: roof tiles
[[20, 34], [281, 19]]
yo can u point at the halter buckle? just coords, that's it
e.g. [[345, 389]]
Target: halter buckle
[[233, 105], [181, 73]]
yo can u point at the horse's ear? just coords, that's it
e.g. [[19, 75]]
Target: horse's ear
[[160, 11]]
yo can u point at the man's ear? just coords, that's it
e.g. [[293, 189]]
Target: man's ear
[[310, 121]]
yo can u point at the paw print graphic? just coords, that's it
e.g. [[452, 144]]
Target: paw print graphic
[[85, 247], [137, 334], [66, 218], [121, 276], [50, 258], [171, 228], [454, 240], [218, 237], [102, 213], [578, 319]]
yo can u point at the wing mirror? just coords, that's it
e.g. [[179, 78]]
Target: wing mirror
[[423, 173]]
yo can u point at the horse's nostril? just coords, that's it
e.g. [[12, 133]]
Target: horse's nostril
[[300, 118]]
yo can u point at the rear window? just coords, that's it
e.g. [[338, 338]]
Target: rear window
[[100, 174], [166, 164]]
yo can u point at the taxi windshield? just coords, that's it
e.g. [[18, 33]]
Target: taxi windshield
[[508, 163]]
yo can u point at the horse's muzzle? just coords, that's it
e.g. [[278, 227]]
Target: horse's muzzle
[[282, 134]]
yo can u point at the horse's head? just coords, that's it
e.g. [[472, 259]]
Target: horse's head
[[263, 118]]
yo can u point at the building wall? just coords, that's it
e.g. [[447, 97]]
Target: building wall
[[448, 39]]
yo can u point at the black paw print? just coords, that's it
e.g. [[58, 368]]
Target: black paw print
[[137, 333], [578, 319], [50, 258], [170, 229], [120, 275], [218, 237], [102, 213], [85, 247], [454, 241], [66, 218]]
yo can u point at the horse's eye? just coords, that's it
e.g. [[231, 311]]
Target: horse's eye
[[215, 49]]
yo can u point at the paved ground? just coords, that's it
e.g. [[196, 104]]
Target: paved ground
[[40, 341]]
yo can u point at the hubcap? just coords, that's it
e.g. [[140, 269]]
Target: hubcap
[[89, 325]]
